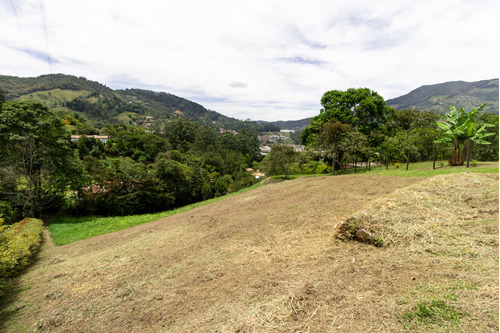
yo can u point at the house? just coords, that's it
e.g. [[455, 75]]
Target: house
[[222, 130], [102, 138], [264, 150]]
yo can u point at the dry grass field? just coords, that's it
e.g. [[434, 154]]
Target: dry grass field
[[271, 260]]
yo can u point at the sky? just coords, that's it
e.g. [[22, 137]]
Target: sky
[[260, 59]]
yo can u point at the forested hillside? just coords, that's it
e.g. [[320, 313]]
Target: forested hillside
[[438, 97], [102, 105]]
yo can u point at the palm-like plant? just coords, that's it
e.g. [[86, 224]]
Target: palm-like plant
[[459, 128]]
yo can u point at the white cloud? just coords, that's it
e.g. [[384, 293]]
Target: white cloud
[[262, 59]]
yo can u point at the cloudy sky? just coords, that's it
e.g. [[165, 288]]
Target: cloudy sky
[[269, 59]]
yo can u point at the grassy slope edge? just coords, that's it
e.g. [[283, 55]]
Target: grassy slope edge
[[266, 260]]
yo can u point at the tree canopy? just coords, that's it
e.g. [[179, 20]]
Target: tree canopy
[[362, 108], [36, 161]]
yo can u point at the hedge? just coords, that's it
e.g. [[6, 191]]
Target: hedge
[[18, 243]]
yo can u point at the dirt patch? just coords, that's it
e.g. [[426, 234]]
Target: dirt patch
[[266, 260]]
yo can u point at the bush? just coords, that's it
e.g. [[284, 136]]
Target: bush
[[18, 243], [6, 211]]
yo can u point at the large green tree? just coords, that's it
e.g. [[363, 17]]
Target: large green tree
[[37, 163], [280, 160], [364, 109], [330, 140]]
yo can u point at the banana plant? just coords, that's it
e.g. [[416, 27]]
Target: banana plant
[[459, 128]]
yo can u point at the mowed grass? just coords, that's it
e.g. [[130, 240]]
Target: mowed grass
[[424, 169], [66, 230]]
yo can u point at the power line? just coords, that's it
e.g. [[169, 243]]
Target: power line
[[22, 34], [46, 34]]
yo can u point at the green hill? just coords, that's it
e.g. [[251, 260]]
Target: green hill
[[296, 125], [102, 105], [438, 97]]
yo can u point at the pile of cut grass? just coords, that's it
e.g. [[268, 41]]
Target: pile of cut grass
[[431, 224], [450, 222]]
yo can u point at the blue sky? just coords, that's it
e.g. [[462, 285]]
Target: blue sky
[[262, 60]]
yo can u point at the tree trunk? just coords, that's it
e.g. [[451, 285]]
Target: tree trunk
[[434, 156], [457, 158], [333, 164], [408, 159], [355, 163], [469, 148], [387, 161]]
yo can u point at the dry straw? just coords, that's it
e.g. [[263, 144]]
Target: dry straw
[[428, 215]]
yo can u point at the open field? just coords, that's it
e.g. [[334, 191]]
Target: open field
[[65, 230], [267, 260]]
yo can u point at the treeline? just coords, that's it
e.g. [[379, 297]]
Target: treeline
[[183, 162], [356, 126], [136, 171], [103, 108], [176, 162]]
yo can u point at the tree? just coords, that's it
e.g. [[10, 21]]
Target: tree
[[362, 108], [459, 129], [354, 143], [35, 157], [330, 139], [2, 98], [488, 152], [280, 160]]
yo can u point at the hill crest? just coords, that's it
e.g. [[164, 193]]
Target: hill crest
[[438, 97]]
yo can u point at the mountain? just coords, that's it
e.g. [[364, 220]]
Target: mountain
[[438, 97], [102, 105], [296, 125]]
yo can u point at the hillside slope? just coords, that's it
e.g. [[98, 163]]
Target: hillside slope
[[103, 105], [266, 261], [438, 97]]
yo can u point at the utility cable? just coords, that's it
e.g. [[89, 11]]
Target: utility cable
[[26, 47], [46, 34]]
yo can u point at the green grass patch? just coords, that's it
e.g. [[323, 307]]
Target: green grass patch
[[54, 95], [66, 230], [434, 312], [424, 169], [419, 169], [124, 117]]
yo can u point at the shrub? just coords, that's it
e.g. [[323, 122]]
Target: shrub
[[6, 211], [18, 243], [321, 168], [397, 165]]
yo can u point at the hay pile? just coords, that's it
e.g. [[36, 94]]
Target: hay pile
[[423, 216]]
